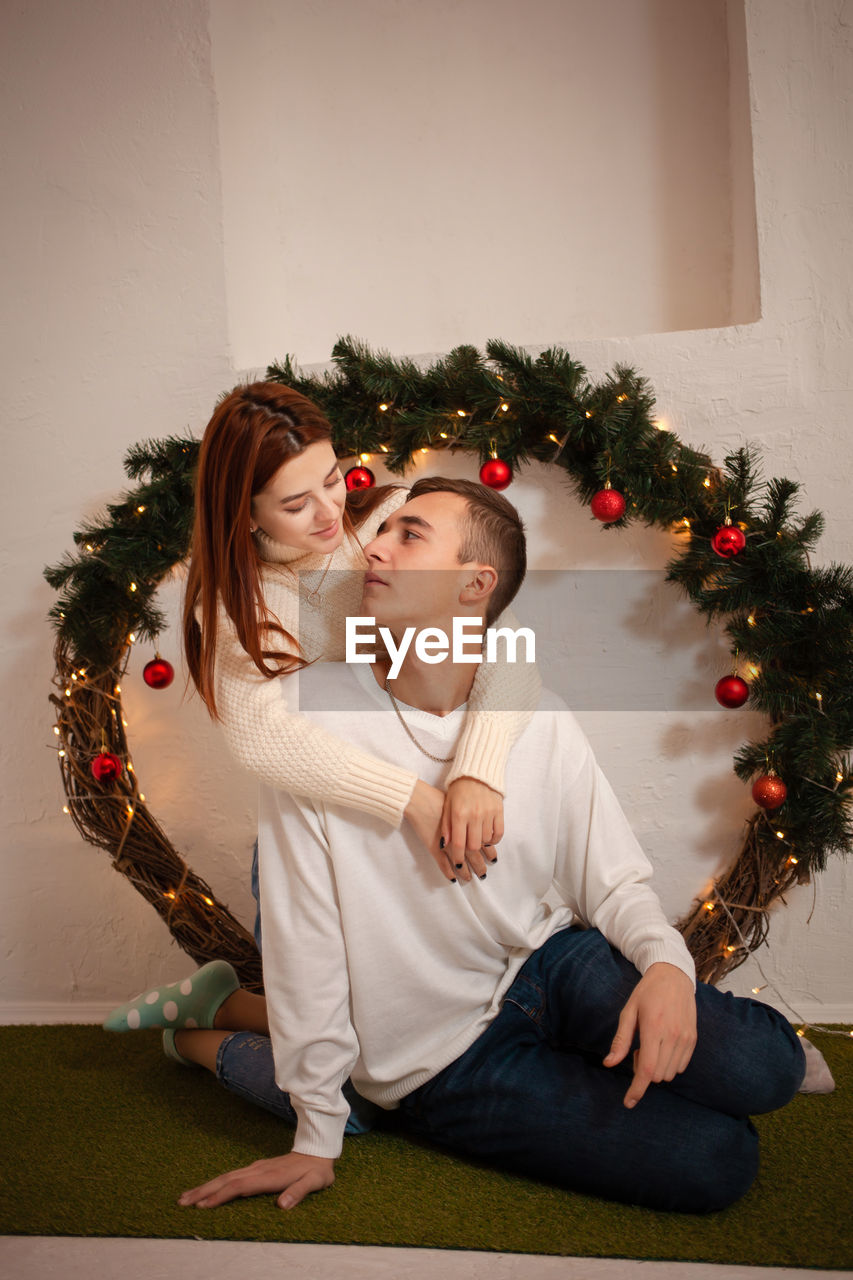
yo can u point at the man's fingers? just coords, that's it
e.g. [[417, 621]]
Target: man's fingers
[[303, 1187], [287, 1176], [229, 1186], [624, 1036]]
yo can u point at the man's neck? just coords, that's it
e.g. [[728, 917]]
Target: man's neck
[[436, 688]]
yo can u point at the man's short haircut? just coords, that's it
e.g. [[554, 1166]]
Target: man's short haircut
[[492, 534]]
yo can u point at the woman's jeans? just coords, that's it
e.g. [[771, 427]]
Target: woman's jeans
[[530, 1095]]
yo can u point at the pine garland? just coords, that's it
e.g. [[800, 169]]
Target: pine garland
[[792, 624]]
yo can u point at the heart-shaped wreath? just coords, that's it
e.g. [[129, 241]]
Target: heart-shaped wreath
[[743, 560]]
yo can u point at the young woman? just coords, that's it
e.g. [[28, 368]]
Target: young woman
[[275, 571]]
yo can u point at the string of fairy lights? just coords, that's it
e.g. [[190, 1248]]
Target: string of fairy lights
[[107, 726]]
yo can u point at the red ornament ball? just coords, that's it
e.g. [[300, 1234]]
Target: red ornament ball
[[158, 673], [728, 541], [360, 478], [731, 691], [496, 473], [608, 505], [768, 791], [106, 767]]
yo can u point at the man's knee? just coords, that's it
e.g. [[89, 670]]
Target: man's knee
[[782, 1071], [720, 1166]]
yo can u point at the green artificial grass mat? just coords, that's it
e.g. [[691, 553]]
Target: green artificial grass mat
[[101, 1133]]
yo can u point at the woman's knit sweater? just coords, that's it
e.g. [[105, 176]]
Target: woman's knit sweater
[[311, 596]]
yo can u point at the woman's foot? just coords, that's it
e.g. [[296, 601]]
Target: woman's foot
[[192, 1002]]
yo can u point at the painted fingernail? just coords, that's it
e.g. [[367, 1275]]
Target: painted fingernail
[[483, 876], [453, 881], [442, 842]]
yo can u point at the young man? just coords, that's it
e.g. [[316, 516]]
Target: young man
[[543, 1017]]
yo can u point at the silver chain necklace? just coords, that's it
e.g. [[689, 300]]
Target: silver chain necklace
[[313, 598], [423, 750]]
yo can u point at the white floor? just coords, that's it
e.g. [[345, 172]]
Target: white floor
[[60, 1258]]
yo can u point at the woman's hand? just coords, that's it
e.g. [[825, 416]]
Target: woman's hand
[[472, 823], [458, 828], [295, 1176], [424, 810]]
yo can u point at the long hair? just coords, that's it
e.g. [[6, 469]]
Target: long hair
[[254, 430]]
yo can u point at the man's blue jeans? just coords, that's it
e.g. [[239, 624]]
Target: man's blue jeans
[[531, 1095]]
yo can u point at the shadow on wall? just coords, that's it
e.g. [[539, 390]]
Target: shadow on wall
[[698, 74]]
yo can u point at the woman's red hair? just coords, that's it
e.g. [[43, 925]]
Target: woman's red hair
[[254, 430]]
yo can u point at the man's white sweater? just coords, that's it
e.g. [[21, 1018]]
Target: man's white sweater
[[375, 966]]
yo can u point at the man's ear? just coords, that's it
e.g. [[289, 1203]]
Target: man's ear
[[480, 586]]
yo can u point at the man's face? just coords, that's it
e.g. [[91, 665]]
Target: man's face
[[414, 576]]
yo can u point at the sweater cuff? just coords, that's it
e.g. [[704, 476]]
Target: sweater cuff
[[319, 1134], [375, 787], [483, 749], [674, 952]]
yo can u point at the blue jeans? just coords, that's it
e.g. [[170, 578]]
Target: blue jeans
[[531, 1095], [244, 1064]]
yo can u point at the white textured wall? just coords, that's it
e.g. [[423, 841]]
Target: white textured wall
[[438, 173], [114, 330], [118, 329]]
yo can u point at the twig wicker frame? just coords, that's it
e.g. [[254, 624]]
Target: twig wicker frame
[[723, 926]]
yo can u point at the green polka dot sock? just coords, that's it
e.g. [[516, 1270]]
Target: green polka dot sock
[[192, 1002], [171, 1051]]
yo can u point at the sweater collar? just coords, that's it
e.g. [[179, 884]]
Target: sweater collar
[[280, 553]]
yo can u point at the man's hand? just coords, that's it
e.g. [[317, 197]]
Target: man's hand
[[472, 823], [662, 1008], [294, 1175]]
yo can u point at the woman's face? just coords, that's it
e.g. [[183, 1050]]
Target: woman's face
[[303, 503]]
